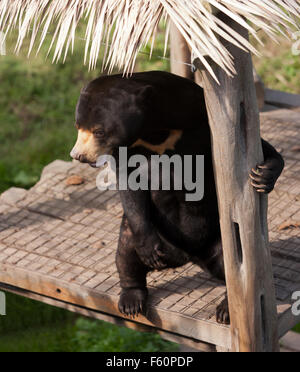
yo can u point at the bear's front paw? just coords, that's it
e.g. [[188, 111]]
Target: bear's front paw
[[133, 301], [151, 253], [263, 178]]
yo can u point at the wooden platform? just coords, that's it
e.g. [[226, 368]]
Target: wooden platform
[[58, 244]]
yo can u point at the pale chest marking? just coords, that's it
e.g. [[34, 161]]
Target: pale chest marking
[[168, 144]]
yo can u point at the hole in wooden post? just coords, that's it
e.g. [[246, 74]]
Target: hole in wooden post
[[263, 321], [238, 242]]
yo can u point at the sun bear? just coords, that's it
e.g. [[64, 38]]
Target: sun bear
[[160, 113]]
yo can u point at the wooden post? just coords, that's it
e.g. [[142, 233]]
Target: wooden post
[[180, 52], [234, 121], [260, 90]]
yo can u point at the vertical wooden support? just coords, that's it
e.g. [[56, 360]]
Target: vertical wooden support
[[234, 121], [180, 52], [260, 90]]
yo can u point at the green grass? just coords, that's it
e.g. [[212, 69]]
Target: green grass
[[37, 102], [83, 336], [31, 326], [279, 68], [44, 339], [23, 313], [100, 336], [297, 328]]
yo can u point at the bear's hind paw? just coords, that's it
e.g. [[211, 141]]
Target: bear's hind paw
[[222, 314], [133, 301]]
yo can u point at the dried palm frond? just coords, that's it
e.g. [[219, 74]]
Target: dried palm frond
[[123, 27]]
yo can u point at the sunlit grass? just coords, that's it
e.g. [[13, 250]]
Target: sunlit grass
[[278, 67], [35, 327]]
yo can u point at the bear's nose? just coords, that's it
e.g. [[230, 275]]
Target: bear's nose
[[76, 156]]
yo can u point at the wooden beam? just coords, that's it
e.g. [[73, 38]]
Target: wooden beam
[[234, 121], [282, 99], [99, 315], [207, 332], [180, 52]]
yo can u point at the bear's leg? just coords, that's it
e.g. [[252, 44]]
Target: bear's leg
[[132, 274], [215, 265]]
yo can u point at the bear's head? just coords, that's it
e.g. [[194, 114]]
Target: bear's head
[[110, 113]]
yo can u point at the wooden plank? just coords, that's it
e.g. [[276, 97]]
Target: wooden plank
[[234, 121], [201, 330], [286, 320], [91, 313], [291, 342], [268, 108], [282, 99]]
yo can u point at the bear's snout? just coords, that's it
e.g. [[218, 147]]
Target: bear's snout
[[77, 156], [87, 148], [74, 155]]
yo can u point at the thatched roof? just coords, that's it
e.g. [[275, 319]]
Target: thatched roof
[[123, 27]]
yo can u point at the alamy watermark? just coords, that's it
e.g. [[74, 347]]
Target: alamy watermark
[[2, 304], [296, 304], [163, 172]]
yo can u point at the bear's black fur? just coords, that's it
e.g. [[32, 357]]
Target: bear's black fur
[[160, 229]]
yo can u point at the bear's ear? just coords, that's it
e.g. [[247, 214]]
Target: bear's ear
[[145, 93]]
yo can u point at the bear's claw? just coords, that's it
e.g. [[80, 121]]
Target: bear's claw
[[263, 179], [222, 314], [133, 301]]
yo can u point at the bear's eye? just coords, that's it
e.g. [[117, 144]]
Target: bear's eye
[[99, 133]]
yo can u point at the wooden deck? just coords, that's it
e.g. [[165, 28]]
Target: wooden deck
[[58, 244]]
